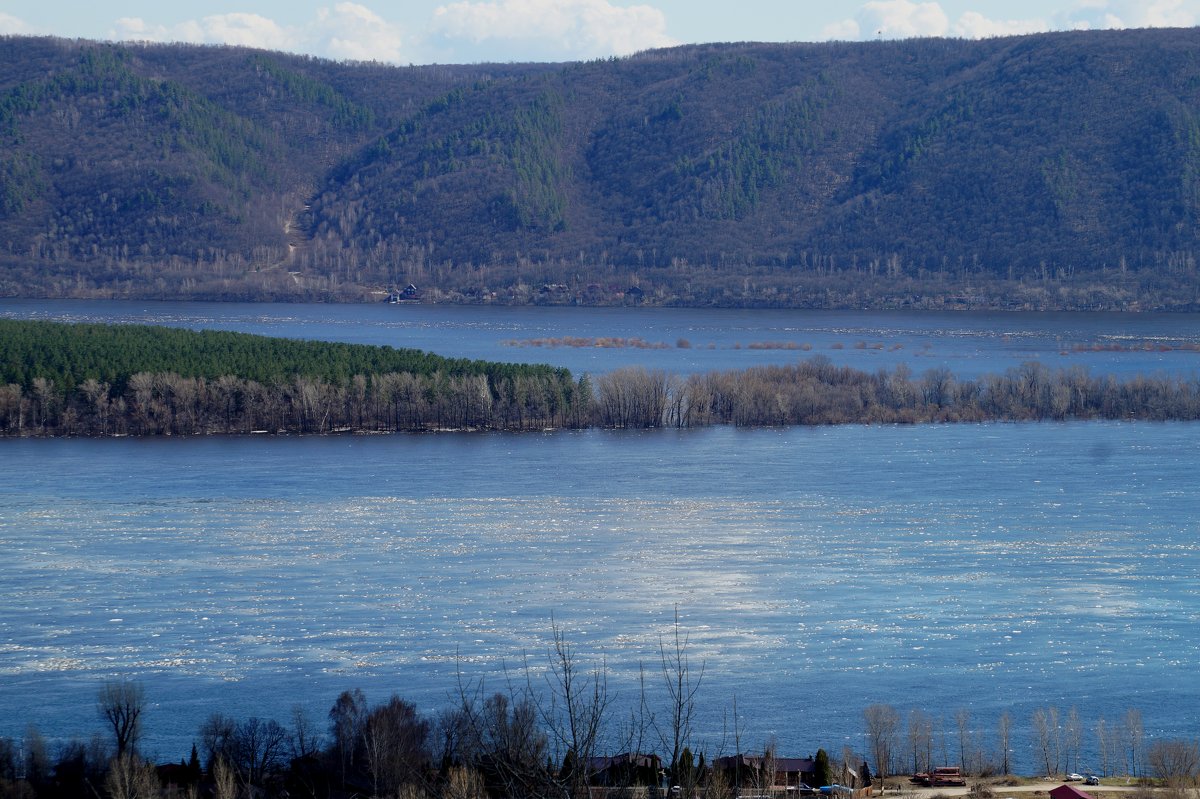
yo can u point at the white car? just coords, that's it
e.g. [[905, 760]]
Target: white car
[[1074, 777]]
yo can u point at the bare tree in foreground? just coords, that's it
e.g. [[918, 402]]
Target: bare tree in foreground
[[1175, 762], [130, 777], [1004, 741], [962, 720], [920, 741], [121, 704], [577, 710], [1132, 733], [675, 734], [882, 722]]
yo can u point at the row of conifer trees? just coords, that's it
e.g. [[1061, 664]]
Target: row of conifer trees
[[100, 380]]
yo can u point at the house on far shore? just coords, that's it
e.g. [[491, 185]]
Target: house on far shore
[[790, 772], [1069, 792], [625, 770], [409, 293]]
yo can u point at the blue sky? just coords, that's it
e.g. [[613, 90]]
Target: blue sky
[[459, 31]]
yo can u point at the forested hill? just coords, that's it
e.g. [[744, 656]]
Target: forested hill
[[1045, 171]]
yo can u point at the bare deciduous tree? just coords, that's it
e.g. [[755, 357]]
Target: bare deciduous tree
[[346, 719], [1174, 761], [920, 741], [464, 783], [962, 720], [396, 743], [634, 397], [1104, 746], [882, 722], [500, 738], [682, 686], [1132, 734], [216, 736], [225, 782], [1073, 732], [576, 711], [121, 703], [1041, 731], [130, 777], [258, 746], [305, 740], [1004, 741], [1055, 738]]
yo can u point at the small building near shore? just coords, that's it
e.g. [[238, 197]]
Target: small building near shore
[[789, 772], [625, 770], [409, 293]]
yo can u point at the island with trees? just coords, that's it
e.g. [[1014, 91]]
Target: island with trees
[[60, 379]]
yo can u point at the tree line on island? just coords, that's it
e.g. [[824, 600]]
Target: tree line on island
[[104, 380], [556, 732]]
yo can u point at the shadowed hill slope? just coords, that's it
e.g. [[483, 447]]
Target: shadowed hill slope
[[1055, 170]]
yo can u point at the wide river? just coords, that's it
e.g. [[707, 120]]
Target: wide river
[[816, 571]]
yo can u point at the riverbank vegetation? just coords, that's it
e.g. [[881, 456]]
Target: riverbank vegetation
[[59, 379], [557, 731], [103, 380]]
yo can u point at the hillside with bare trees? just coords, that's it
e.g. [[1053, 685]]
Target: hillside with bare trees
[[1057, 170]]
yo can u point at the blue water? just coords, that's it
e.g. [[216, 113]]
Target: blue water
[[816, 571], [691, 340]]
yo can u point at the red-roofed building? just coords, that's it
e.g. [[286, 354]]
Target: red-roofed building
[[1069, 792]]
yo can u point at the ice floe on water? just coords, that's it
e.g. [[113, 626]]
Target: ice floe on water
[[827, 569]]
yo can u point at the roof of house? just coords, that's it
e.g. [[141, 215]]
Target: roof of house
[[782, 764], [623, 759], [1069, 792]]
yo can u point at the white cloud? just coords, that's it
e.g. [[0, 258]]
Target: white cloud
[[11, 26], [904, 19], [355, 32], [1133, 14], [973, 25], [465, 30], [901, 19], [347, 31], [249, 30], [846, 30], [570, 29], [138, 30]]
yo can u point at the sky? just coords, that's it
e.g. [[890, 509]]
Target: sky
[[473, 31]]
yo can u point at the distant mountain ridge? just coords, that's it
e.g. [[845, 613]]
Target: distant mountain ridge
[[1045, 171]]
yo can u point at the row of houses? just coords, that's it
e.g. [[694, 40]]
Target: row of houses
[[592, 293]]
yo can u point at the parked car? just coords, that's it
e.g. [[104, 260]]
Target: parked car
[[1074, 777], [1091, 779]]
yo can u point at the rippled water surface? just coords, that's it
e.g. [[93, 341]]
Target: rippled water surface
[[816, 571], [691, 340]]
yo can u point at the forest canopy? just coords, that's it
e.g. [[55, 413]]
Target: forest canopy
[[87, 379], [1048, 171]]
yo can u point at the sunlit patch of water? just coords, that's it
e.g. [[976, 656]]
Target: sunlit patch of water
[[827, 568]]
